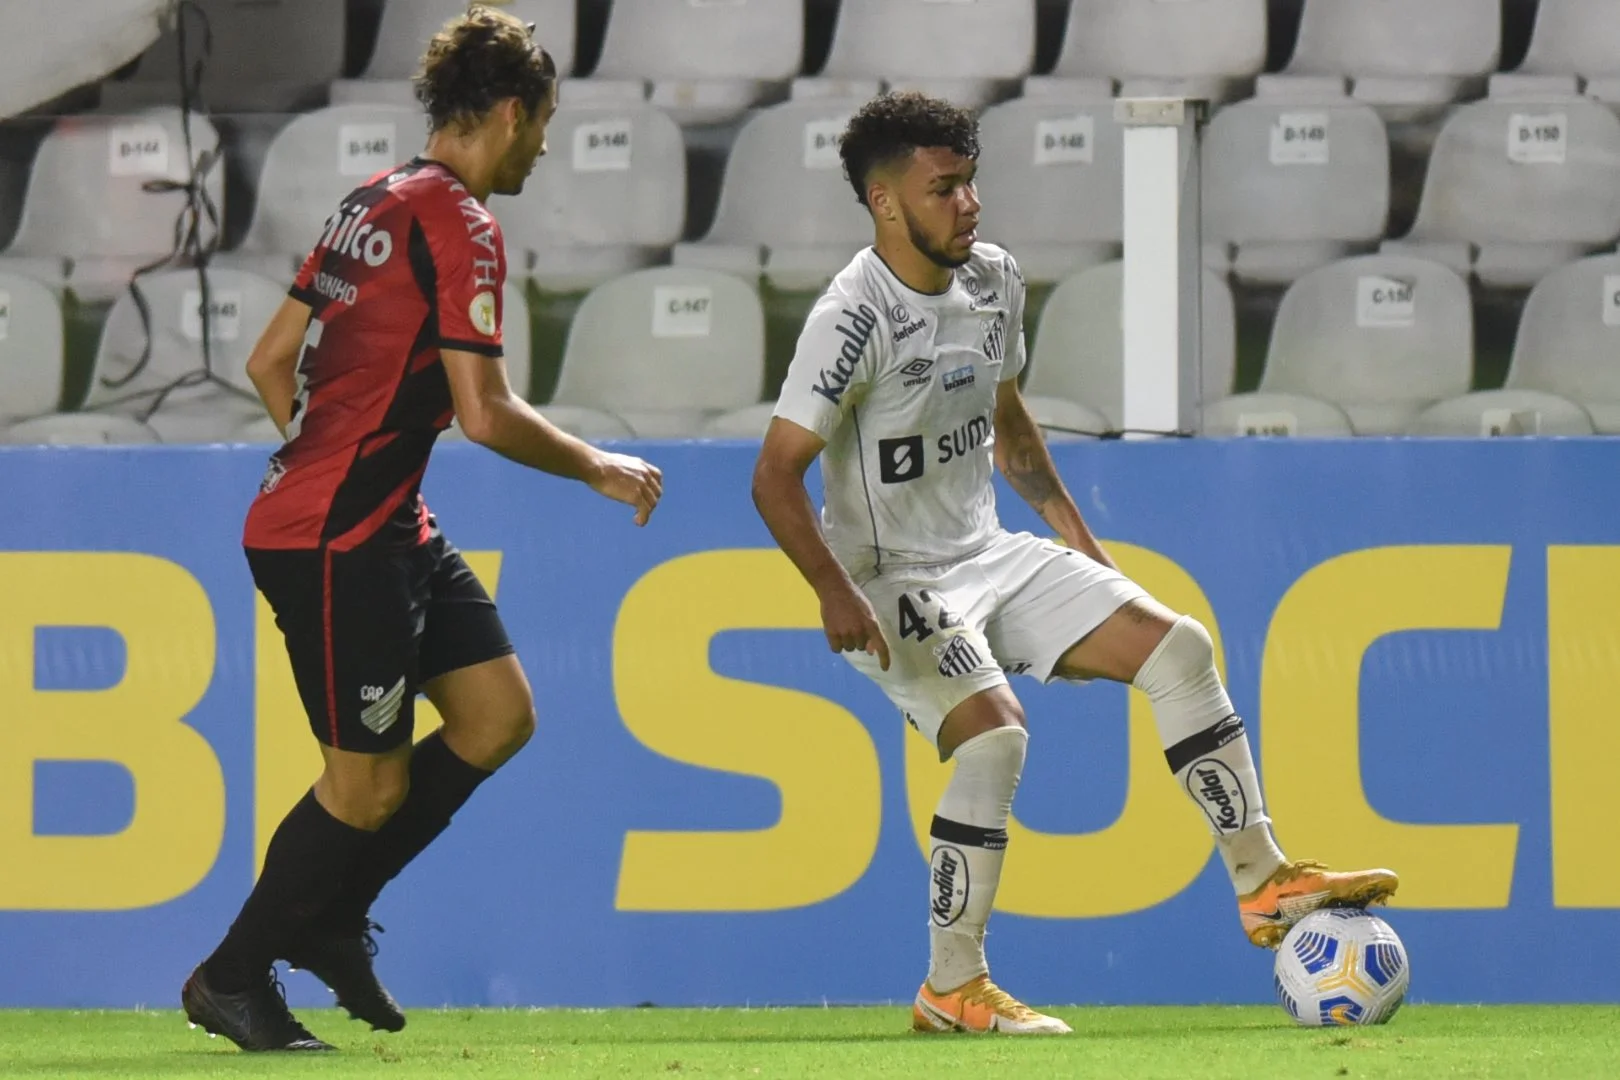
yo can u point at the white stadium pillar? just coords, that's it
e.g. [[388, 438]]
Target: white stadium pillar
[[1163, 264]]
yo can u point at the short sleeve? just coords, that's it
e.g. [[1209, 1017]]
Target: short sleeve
[[1015, 360], [469, 274], [303, 286], [832, 365]]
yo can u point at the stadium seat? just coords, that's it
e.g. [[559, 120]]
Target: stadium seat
[[1294, 185], [1051, 179], [1578, 37], [31, 356], [1382, 337], [1079, 352], [665, 349], [1404, 55], [267, 56], [609, 197], [1533, 182], [1569, 339], [586, 423], [748, 422], [1274, 415], [967, 53], [1066, 421], [87, 200], [1190, 48], [784, 192], [406, 27], [1495, 413], [141, 357], [708, 63], [515, 337], [314, 162], [261, 431], [79, 429]]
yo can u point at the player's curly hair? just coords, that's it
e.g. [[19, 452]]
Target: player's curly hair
[[891, 126], [478, 59]]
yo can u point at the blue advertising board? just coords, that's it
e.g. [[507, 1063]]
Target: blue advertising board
[[1423, 636]]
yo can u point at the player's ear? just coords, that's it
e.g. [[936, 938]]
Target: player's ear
[[881, 200]]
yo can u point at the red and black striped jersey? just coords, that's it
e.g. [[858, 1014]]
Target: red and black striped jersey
[[411, 264]]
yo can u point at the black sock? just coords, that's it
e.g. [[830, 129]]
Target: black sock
[[440, 783], [303, 869]]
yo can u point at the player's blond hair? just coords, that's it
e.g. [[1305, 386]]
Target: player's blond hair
[[478, 59]]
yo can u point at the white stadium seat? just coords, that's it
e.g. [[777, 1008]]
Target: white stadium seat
[[1189, 48], [1274, 416], [1383, 337], [406, 27], [140, 357], [267, 56], [967, 53], [31, 343], [80, 429], [1294, 185], [665, 350], [88, 201], [708, 63], [1496, 413], [1051, 180], [314, 162], [608, 197], [784, 202], [1079, 352], [1533, 183], [1400, 53], [1569, 339]]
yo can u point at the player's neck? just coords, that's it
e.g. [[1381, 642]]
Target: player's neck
[[915, 270], [467, 158]]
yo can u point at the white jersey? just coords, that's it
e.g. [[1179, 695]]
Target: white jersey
[[902, 386]]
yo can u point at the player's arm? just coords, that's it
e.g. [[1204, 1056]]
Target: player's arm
[[784, 503], [273, 365], [1022, 457], [492, 415]]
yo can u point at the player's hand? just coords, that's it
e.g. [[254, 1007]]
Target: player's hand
[[852, 625], [627, 479]]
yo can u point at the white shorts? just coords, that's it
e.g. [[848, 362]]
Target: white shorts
[[1014, 608]]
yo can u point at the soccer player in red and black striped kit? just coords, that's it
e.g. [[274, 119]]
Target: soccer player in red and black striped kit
[[392, 329]]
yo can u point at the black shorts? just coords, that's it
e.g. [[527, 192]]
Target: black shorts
[[365, 629]]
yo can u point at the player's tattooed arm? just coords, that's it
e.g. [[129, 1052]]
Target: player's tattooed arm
[[1023, 459]]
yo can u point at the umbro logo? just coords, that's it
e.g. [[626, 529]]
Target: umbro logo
[[917, 372]]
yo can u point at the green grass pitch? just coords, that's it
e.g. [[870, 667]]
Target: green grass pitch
[[1427, 1042]]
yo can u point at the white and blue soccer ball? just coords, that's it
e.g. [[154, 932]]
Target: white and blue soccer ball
[[1341, 967]]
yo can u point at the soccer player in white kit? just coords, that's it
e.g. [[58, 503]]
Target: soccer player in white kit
[[905, 383]]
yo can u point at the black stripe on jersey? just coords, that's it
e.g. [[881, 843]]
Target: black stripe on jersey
[[866, 486], [482, 348]]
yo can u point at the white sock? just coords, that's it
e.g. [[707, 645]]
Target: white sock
[[969, 842], [1208, 750]]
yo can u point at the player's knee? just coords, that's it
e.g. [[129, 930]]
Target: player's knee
[[521, 729], [366, 800], [1185, 652], [1000, 751]]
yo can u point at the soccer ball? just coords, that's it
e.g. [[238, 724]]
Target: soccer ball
[[1341, 966]]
